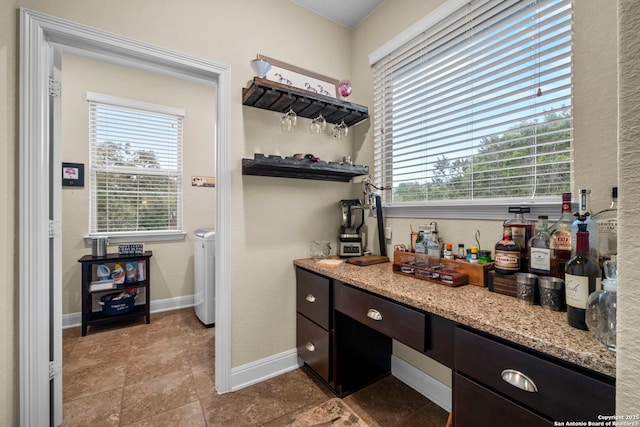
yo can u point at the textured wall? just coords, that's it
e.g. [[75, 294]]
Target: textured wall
[[628, 362]]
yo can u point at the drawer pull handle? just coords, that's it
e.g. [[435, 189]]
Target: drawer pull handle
[[520, 380], [374, 314], [310, 347], [310, 298]]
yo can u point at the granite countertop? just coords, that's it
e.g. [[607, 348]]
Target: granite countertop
[[500, 315]]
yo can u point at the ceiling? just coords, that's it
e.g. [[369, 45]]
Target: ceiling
[[346, 12]]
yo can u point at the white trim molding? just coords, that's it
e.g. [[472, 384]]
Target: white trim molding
[[437, 15], [429, 387], [39, 34], [263, 369]]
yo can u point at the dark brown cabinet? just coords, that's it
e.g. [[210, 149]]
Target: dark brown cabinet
[[496, 382], [344, 334], [88, 274], [314, 331]]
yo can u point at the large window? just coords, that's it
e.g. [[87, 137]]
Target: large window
[[135, 167], [477, 107]]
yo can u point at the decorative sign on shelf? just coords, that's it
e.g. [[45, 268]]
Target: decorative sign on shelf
[[130, 249]]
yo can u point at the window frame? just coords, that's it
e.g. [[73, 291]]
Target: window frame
[[139, 236], [458, 209]]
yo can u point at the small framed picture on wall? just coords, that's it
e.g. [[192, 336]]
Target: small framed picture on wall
[[72, 174]]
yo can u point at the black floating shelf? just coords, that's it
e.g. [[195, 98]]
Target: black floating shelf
[[274, 96], [290, 167]]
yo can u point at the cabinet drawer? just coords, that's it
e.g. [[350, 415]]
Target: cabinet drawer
[[476, 406], [562, 393], [392, 319], [313, 346], [313, 297]]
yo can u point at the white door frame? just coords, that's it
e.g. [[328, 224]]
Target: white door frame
[[38, 32]]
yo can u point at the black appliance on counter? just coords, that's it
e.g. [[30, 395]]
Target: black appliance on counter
[[350, 241]]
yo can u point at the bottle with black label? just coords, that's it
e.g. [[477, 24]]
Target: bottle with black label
[[521, 232], [582, 277], [507, 253]]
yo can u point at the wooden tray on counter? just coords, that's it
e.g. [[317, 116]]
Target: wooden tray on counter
[[476, 274], [405, 263]]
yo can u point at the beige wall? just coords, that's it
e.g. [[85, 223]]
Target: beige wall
[[273, 219], [172, 262]]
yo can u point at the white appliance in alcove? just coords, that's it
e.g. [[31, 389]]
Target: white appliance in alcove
[[204, 275]]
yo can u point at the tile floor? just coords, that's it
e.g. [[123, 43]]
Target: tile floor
[[162, 374]]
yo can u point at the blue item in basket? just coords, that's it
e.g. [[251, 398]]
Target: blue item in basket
[[118, 303]]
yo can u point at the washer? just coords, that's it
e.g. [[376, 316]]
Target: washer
[[204, 275]]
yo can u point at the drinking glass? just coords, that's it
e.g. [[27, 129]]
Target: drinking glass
[[288, 121], [317, 125]]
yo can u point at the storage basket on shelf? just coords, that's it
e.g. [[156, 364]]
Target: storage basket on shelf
[[118, 303]]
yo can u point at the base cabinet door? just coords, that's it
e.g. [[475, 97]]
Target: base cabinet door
[[477, 406], [525, 381], [314, 346]]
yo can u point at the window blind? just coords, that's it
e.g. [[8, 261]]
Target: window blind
[[478, 107], [135, 167]]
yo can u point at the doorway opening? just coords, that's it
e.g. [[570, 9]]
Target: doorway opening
[[42, 39]]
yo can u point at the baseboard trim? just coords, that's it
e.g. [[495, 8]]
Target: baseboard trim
[[429, 387], [263, 369], [75, 319]]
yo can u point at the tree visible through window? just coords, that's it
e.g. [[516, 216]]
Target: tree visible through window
[[478, 106], [136, 167]]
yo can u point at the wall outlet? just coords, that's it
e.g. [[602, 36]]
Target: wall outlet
[[387, 233]]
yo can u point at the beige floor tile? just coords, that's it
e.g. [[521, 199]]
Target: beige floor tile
[[156, 395], [160, 357], [88, 381], [246, 407], [189, 415], [97, 410]]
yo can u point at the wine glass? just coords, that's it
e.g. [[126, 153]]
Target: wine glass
[[288, 121], [317, 125]]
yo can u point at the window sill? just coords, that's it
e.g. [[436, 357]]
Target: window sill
[[485, 211], [138, 237]]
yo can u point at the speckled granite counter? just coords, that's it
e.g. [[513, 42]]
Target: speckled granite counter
[[474, 306]]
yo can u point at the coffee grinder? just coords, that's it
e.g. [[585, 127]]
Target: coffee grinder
[[349, 241]]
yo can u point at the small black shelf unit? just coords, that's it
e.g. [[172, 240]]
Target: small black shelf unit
[[274, 96], [90, 317], [291, 167]]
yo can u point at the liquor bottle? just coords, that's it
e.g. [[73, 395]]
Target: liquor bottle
[[507, 253], [520, 231], [561, 238], [583, 215], [540, 249], [582, 277], [433, 249], [607, 224]]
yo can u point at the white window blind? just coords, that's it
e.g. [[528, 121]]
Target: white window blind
[[477, 108], [135, 166]]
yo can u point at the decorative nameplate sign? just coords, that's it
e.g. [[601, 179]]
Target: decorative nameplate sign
[[130, 249]]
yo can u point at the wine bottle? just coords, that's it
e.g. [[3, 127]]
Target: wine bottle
[[583, 215], [540, 249], [561, 238], [582, 277]]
